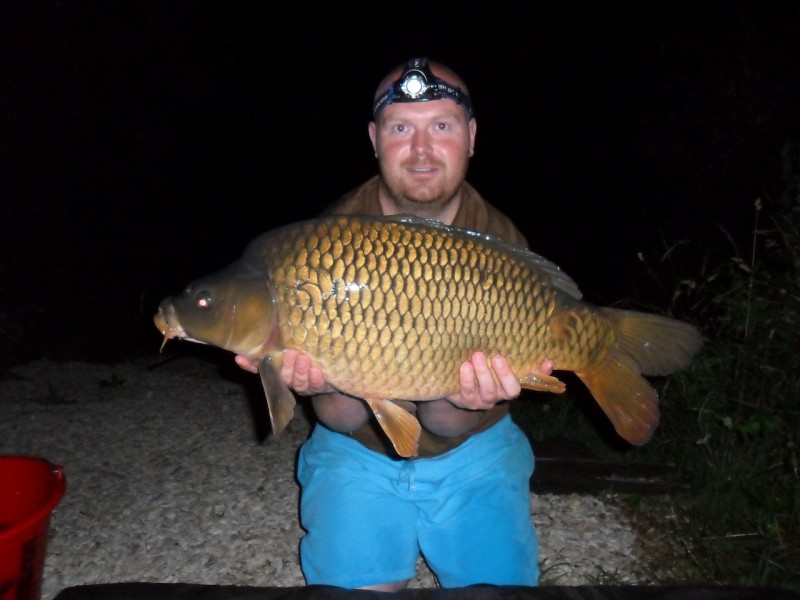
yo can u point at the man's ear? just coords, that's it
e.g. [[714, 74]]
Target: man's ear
[[373, 135], [473, 129]]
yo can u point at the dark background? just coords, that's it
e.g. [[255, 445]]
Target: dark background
[[142, 144]]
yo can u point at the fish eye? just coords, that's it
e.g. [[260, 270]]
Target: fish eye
[[202, 300]]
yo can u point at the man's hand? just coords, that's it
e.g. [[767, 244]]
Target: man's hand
[[296, 372], [246, 363], [458, 413], [339, 412], [479, 391], [303, 378]]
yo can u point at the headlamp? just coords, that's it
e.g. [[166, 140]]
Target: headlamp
[[418, 84]]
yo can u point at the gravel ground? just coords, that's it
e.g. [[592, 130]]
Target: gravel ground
[[167, 482]]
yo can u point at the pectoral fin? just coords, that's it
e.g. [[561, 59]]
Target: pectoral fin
[[540, 382], [280, 399], [401, 427]]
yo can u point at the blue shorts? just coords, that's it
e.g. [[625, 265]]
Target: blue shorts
[[367, 516]]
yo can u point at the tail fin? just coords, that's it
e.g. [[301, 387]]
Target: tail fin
[[657, 345], [646, 344]]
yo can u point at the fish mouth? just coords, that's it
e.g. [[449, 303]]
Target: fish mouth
[[167, 323]]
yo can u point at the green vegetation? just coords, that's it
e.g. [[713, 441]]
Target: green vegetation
[[731, 423]]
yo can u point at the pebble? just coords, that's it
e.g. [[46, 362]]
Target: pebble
[[166, 482]]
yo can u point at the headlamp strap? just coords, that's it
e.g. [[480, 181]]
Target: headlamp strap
[[418, 84]]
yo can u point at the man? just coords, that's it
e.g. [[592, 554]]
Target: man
[[464, 502]]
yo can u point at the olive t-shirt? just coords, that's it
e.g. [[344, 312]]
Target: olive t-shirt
[[476, 214]]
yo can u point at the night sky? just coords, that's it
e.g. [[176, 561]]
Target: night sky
[[142, 144]]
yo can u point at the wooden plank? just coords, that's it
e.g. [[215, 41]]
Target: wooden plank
[[558, 475], [566, 467]]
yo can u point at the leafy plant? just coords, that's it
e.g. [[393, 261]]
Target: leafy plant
[[731, 423]]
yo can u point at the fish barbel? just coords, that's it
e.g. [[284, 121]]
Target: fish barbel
[[390, 307]]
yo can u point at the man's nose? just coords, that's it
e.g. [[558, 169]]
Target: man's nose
[[420, 142]]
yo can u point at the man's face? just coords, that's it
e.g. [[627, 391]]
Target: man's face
[[423, 148]]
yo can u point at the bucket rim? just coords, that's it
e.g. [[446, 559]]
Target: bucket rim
[[42, 514]]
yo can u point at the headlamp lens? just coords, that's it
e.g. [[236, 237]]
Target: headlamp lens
[[413, 85]]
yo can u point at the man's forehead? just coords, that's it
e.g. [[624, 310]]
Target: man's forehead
[[444, 108]]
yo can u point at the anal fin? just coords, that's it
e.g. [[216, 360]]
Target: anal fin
[[401, 427], [626, 397], [539, 382]]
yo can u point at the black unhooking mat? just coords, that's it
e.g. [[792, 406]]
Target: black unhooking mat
[[181, 591]]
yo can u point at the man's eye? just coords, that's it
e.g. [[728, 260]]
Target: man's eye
[[399, 128], [442, 126]]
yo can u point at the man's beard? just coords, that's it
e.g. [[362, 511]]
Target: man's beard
[[424, 205], [422, 199]]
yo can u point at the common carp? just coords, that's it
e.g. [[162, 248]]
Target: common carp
[[389, 308]]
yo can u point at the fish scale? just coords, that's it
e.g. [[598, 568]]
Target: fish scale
[[405, 305], [390, 307]]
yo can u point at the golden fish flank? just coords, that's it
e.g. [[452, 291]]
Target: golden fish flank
[[389, 308], [389, 311]]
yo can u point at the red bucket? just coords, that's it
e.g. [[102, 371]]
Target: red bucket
[[30, 488]]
